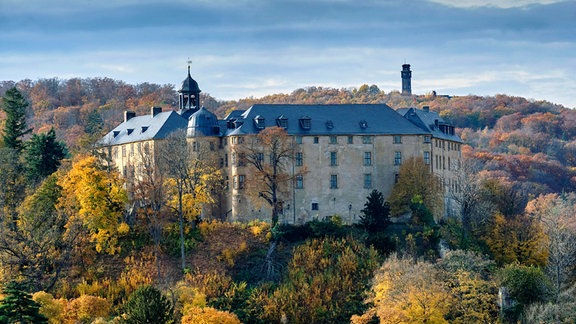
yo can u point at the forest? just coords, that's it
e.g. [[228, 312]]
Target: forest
[[75, 247]]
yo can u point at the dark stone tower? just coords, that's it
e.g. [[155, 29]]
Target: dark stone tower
[[406, 80], [189, 95]]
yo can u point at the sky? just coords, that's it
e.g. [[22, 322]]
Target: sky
[[244, 48]]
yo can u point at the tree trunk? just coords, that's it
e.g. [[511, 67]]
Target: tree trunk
[[181, 220]]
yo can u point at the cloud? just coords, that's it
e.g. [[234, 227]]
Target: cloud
[[496, 3]]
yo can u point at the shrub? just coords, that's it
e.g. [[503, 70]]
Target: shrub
[[148, 303], [85, 309]]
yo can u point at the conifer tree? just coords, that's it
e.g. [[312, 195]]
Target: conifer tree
[[18, 306], [376, 213], [43, 154], [14, 105], [147, 305]]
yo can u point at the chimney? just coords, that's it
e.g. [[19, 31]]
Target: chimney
[[128, 115], [426, 108], [155, 111]]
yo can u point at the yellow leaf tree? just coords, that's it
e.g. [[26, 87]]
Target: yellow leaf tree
[[406, 291], [95, 201]]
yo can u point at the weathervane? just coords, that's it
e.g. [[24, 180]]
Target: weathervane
[[189, 63]]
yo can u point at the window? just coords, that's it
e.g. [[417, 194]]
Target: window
[[298, 159], [259, 122], [448, 163], [241, 160], [397, 158], [316, 139], [260, 157], [314, 206], [426, 138], [366, 139], [282, 121], [350, 139], [367, 181], [367, 158], [333, 158], [305, 122], [397, 139], [115, 152], [333, 139], [334, 181], [211, 146], [226, 160], [396, 178], [427, 158], [123, 151], [299, 184], [298, 139], [241, 181], [147, 148]]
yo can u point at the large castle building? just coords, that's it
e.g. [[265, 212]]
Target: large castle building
[[346, 150]]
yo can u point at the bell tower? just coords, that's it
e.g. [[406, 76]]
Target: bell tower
[[189, 96], [406, 74]]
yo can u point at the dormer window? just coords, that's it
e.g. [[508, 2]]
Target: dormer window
[[144, 129], [329, 124], [282, 121], [115, 133], [259, 122], [305, 122], [363, 124], [130, 130]]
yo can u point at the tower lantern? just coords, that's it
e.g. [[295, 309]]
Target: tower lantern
[[189, 95]]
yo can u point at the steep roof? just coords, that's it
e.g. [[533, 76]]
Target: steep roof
[[429, 121], [147, 127], [322, 120], [189, 85]]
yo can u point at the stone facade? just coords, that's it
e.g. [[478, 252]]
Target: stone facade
[[347, 151]]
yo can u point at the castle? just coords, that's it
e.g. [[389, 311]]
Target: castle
[[346, 150]]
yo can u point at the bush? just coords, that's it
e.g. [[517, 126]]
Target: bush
[[148, 303], [85, 309]]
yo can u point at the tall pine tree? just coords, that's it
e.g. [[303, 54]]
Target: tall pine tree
[[43, 154], [18, 306], [14, 105], [376, 213]]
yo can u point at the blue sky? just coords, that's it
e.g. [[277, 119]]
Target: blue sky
[[243, 48]]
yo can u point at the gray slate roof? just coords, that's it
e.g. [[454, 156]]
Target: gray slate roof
[[145, 128], [427, 120], [369, 119]]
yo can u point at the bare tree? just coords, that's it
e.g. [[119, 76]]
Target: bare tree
[[556, 216], [191, 174], [269, 154], [149, 194]]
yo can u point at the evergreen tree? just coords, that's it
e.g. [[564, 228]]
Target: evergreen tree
[[148, 305], [94, 123], [43, 155], [376, 213], [18, 306], [14, 105]]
